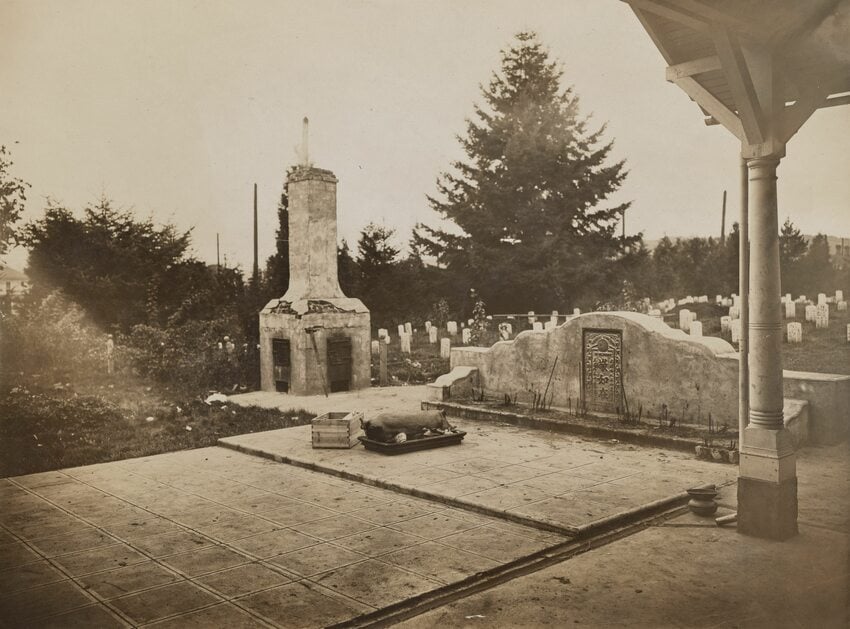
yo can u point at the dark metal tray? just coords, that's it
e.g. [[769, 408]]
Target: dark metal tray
[[412, 445]]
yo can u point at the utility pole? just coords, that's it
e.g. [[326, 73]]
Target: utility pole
[[723, 221], [217, 254], [256, 257]]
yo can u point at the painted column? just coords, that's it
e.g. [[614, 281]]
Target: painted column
[[767, 484], [744, 292]]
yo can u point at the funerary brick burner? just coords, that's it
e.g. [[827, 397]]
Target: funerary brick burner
[[314, 340]]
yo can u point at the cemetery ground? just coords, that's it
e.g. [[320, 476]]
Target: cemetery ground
[[492, 537]]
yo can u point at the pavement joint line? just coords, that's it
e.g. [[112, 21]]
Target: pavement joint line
[[488, 579], [402, 489], [108, 603], [569, 531]]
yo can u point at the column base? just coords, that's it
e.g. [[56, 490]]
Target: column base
[[767, 509]]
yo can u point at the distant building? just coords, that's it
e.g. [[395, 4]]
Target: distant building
[[12, 282]]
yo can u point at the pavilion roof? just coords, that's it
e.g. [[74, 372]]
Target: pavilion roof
[[712, 46]]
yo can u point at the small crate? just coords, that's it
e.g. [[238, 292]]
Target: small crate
[[336, 430]]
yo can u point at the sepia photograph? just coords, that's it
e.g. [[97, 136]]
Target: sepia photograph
[[424, 314]]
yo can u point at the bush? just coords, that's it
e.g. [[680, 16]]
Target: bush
[[52, 337]]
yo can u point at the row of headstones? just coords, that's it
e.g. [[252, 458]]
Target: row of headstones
[[794, 332]]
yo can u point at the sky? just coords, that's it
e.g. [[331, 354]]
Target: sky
[[174, 109]]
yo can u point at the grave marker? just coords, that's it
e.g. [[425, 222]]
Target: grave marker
[[432, 335], [445, 348], [790, 310], [795, 332], [376, 348], [811, 312], [451, 327], [405, 343], [822, 316], [696, 328], [466, 336], [735, 329], [537, 326], [724, 324]]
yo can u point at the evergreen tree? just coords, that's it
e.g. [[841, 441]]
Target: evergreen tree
[[817, 271], [527, 197], [792, 250], [377, 266], [277, 265], [346, 270]]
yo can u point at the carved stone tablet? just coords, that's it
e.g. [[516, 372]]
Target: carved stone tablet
[[602, 383]]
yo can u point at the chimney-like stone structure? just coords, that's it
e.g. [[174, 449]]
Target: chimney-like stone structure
[[314, 340]]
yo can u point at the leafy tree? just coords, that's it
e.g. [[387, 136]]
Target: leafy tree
[[12, 199], [121, 270], [527, 197]]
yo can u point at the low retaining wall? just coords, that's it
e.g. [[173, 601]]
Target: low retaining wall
[[664, 371]]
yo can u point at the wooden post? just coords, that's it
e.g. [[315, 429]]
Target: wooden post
[[723, 221], [382, 365], [744, 292], [256, 275]]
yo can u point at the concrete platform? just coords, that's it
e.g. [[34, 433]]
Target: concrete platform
[[215, 538], [557, 482]]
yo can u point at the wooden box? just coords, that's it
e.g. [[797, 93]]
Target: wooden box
[[336, 430]]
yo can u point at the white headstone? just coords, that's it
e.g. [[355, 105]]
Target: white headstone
[[684, 319], [841, 306], [811, 312], [428, 326], [445, 348], [736, 300], [822, 316], [790, 310], [718, 299], [432, 335], [735, 329], [382, 332], [408, 328], [401, 329], [549, 325], [537, 326], [576, 311], [703, 299], [839, 295], [821, 298], [724, 324], [466, 336], [795, 332], [470, 321], [554, 317], [451, 327], [531, 317], [788, 297], [696, 328], [735, 312], [848, 332], [405, 343], [376, 348]]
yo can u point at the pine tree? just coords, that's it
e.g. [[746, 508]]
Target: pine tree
[[277, 265], [527, 198], [792, 250]]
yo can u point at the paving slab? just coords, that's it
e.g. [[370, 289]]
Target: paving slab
[[214, 537], [558, 482]]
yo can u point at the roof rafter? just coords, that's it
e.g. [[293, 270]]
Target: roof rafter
[[671, 13], [690, 68], [710, 103], [740, 84]]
